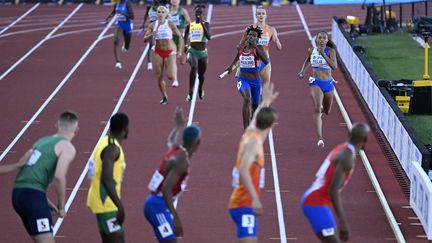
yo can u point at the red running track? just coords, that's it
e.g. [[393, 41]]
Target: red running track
[[93, 91]]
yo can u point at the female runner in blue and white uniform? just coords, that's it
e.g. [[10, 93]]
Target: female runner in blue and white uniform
[[124, 14], [249, 82], [322, 58]]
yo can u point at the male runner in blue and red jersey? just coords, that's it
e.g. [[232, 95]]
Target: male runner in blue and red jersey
[[170, 180], [331, 177]]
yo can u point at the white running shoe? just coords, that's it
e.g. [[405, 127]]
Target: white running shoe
[[124, 49], [320, 143], [118, 65], [149, 66], [175, 83]]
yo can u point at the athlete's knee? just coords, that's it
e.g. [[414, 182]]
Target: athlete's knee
[[247, 100], [318, 110]]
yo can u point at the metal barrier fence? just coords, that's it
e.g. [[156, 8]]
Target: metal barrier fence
[[405, 12]]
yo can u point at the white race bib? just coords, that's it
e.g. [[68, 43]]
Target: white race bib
[[262, 178], [196, 35], [43, 225], [235, 177], [155, 181], [328, 232], [263, 41], [175, 19], [34, 157], [152, 16], [239, 84], [112, 227], [247, 61], [311, 80], [248, 221], [165, 230], [91, 169], [317, 60], [120, 17]]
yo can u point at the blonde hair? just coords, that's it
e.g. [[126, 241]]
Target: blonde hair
[[163, 8]]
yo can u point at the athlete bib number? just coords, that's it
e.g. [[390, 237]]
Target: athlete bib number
[[91, 169], [239, 84], [175, 19], [196, 35], [235, 178], [120, 17], [248, 220], [311, 80], [155, 181], [262, 178], [112, 226], [152, 16], [165, 230], [317, 60], [264, 41], [34, 157], [247, 61]]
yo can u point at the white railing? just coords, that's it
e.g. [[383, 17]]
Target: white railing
[[407, 152], [420, 197], [394, 131]]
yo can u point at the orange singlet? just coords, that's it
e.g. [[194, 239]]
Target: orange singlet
[[240, 198], [266, 37]]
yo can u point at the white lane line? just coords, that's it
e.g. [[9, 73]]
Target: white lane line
[[48, 100], [195, 89], [20, 18], [47, 28], [42, 41], [36, 24], [281, 221], [116, 108], [279, 207], [305, 26], [390, 217], [254, 13]]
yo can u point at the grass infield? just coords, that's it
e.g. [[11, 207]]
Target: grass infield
[[395, 56]]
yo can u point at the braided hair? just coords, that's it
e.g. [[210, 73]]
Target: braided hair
[[254, 28]]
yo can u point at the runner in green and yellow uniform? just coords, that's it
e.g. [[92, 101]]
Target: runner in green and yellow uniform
[[199, 34], [106, 169]]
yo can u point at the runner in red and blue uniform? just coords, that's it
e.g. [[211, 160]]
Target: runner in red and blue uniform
[[249, 81], [331, 178], [170, 180]]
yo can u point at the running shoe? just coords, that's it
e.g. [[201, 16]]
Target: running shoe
[[201, 94], [175, 83], [124, 49], [118, 65], [164, 101], [149, 66], [189, 97], [320, 143]]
